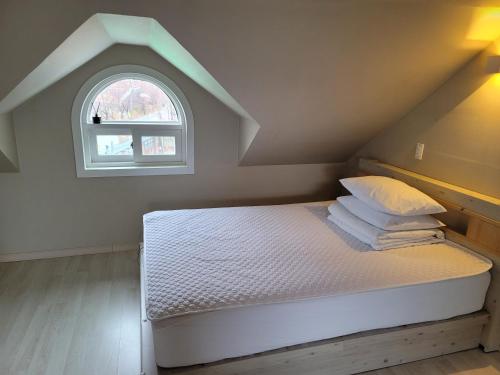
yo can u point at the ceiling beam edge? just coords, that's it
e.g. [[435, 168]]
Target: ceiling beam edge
[[82, 45], [9, 161]]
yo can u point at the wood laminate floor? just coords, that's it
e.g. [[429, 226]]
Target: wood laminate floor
[[80, 315], [74, 315]]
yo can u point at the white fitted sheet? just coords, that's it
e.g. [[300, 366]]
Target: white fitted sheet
[[314, 281], [215, 335]]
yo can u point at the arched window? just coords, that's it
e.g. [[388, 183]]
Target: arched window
[[131, 120]]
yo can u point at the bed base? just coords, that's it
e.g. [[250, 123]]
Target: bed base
[[350, 354]]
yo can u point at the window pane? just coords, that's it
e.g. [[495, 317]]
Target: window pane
[[134, 100], [158, 145], [114, 145]]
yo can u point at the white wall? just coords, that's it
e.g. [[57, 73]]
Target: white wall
[[460, 127], [45, 207]]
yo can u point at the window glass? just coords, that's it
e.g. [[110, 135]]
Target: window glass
[[133, 100], [114, 145], [163, 145]]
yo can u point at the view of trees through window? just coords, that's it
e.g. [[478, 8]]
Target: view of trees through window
[[163, 145], [134, 100]]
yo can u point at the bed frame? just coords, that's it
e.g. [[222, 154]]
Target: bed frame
[[473, 220]]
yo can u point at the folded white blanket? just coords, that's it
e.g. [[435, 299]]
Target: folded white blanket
[[381, 239]]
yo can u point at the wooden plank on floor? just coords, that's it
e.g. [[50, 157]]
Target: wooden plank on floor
[[74, 315]]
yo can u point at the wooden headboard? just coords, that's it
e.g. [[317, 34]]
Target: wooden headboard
[[473, 220]]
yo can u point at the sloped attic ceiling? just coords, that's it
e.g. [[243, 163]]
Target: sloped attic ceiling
[[101, 31], [324, 77], [320, 77]]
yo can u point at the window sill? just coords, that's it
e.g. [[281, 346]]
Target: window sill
[[135, 171]]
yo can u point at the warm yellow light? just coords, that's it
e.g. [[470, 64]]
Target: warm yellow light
[[485, 25], [495, 80]]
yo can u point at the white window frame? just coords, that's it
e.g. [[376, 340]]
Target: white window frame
[[90, 164]]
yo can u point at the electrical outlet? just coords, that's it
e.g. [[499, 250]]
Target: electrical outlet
[[419, 151]]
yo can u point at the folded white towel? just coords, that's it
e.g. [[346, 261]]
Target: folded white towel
[[381, 239], [387, 221]]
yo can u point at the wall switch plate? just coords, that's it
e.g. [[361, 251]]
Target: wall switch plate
[[419, 151]]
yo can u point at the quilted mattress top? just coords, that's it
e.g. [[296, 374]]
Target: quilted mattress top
[[210, 259]]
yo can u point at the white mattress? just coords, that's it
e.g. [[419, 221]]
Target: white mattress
[[229, 282]]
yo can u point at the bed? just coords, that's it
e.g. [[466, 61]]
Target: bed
[[296, 279]]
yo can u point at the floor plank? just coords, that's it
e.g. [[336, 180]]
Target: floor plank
[[80, 315], [76, 315]]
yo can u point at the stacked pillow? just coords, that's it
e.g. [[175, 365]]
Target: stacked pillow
[[386, 213]]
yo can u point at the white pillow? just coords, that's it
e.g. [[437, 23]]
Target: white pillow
[[387, 221], [391, 196]]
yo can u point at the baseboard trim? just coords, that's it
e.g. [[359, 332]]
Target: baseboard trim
[[46, 254]]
